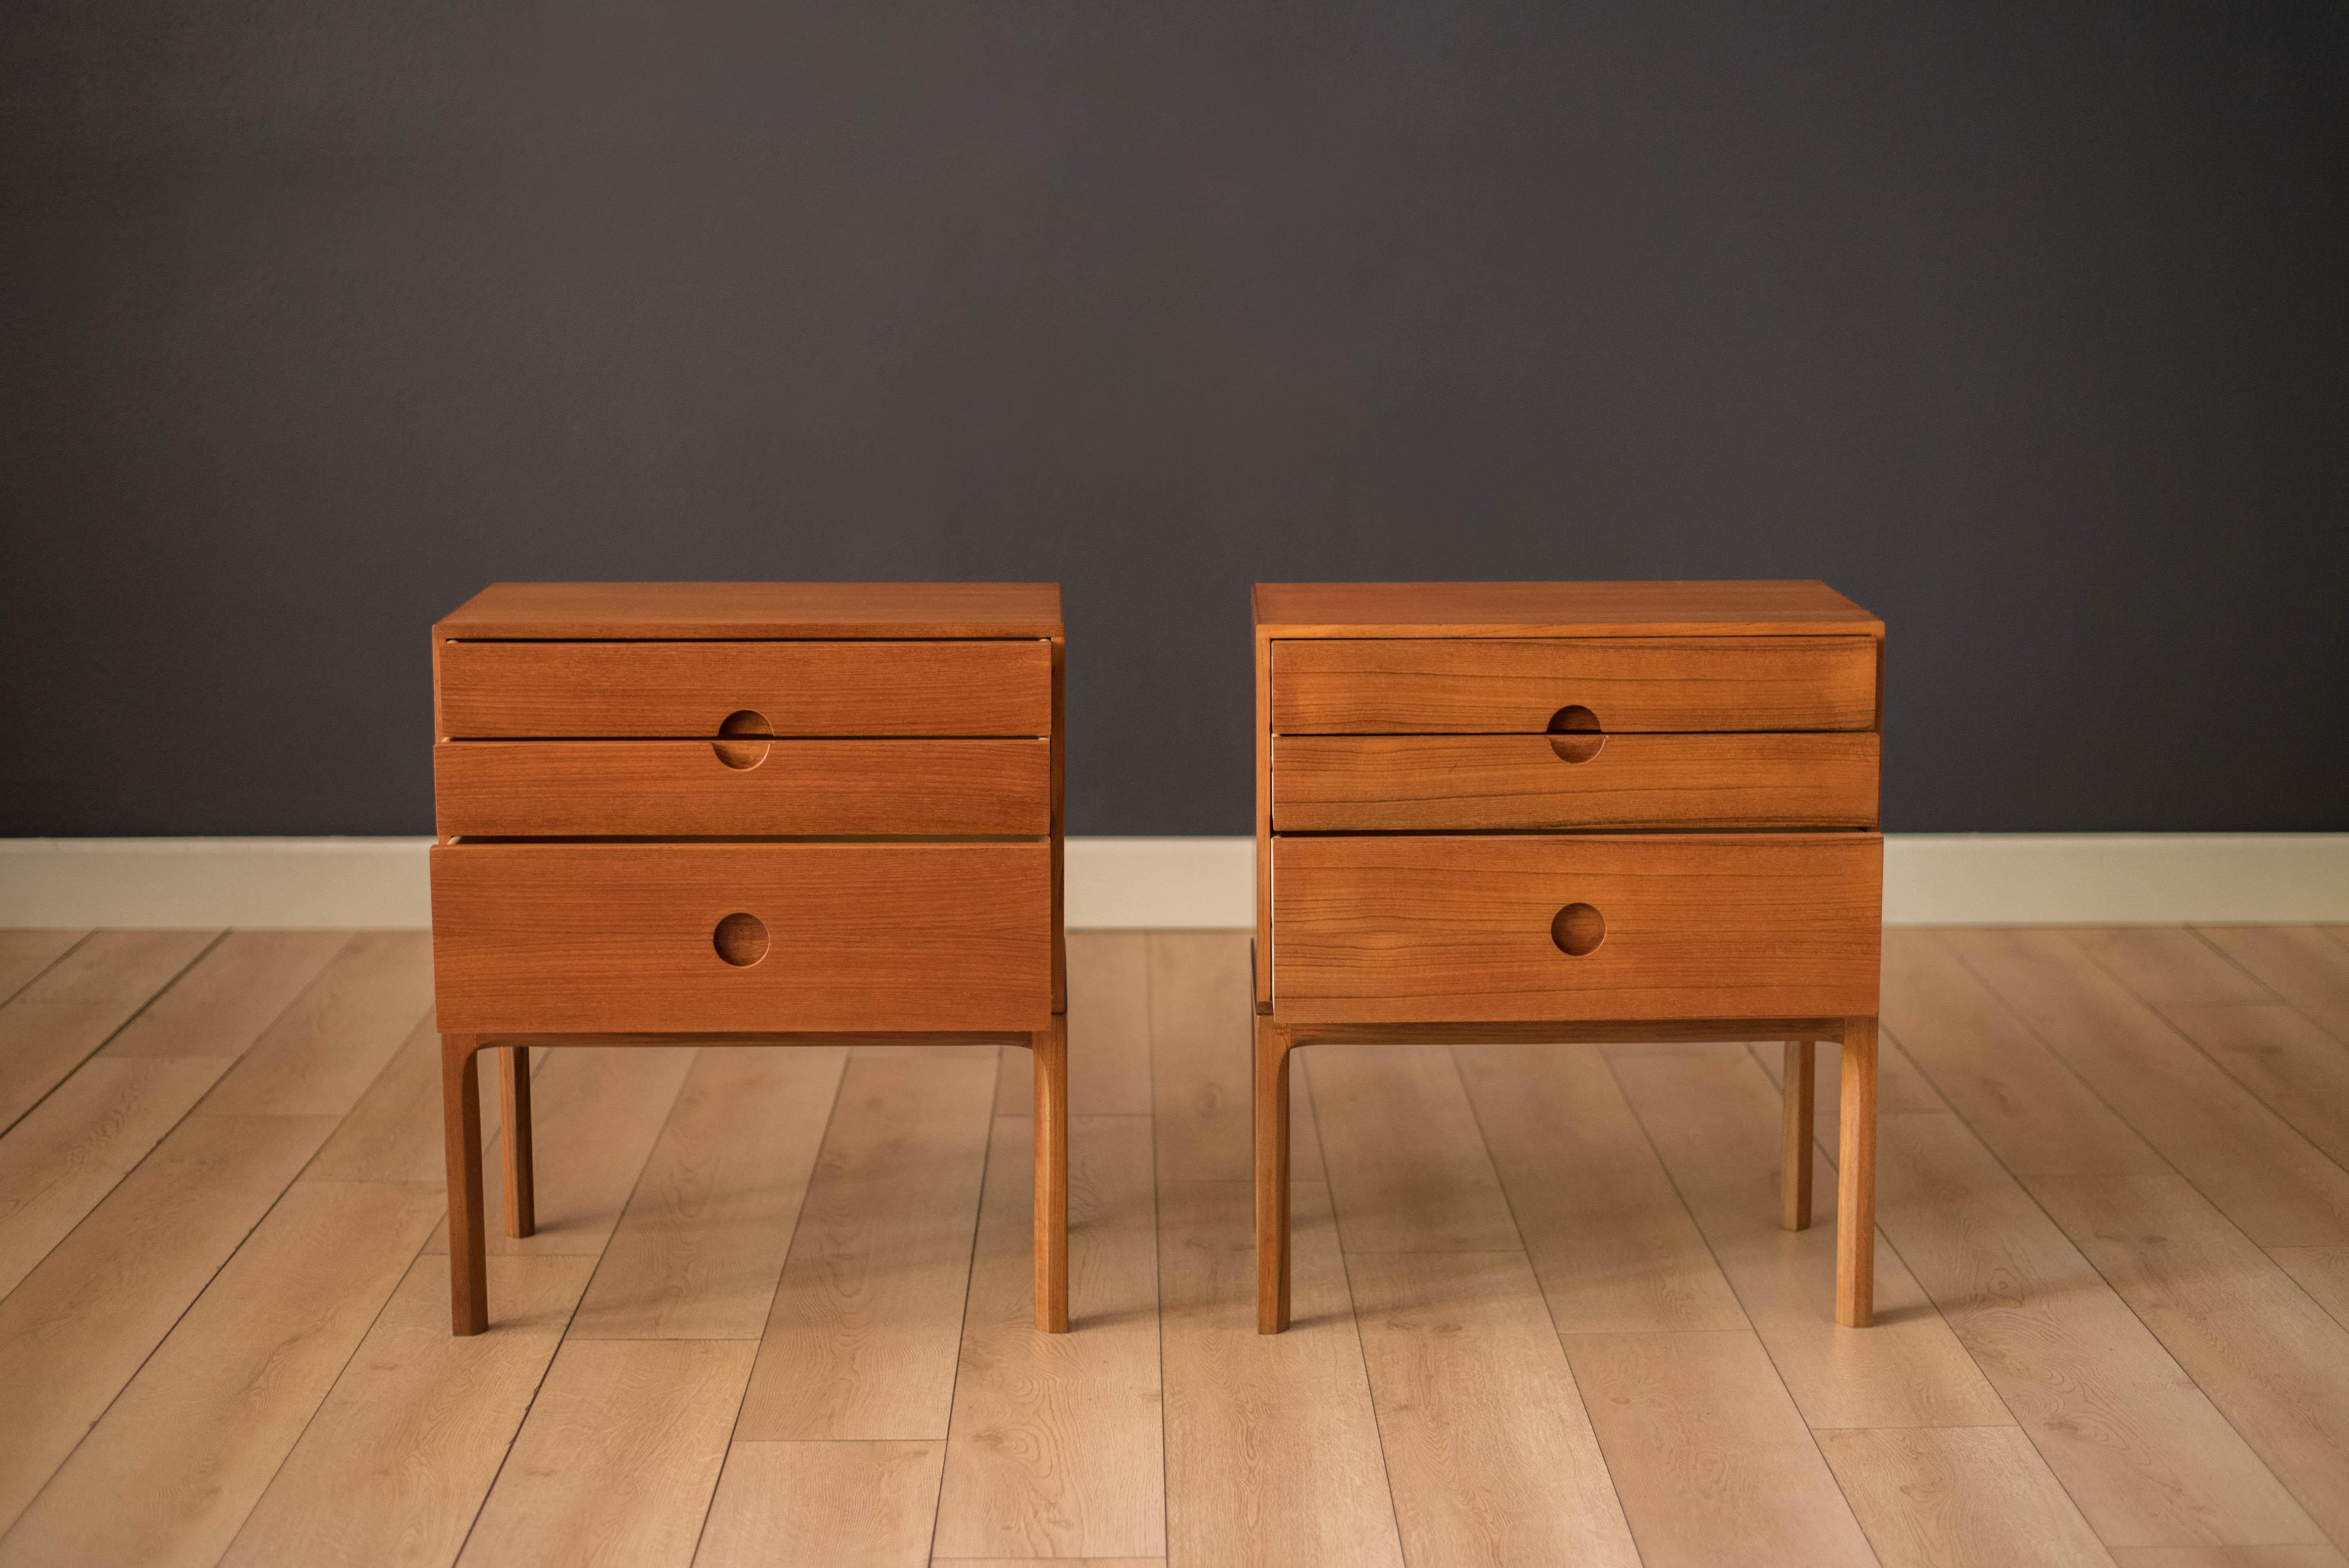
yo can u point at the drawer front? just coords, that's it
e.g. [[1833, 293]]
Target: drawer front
[[622, 938], [1412, 929], [1440, 783], [741, 788], [608, 690], [1413, 685]]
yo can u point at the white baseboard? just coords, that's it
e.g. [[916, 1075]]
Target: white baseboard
[[1929, 879]]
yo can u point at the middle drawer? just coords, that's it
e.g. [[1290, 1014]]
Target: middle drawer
[[747, 788], [1462, 783]]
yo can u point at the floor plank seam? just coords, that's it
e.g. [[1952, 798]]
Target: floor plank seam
[[798, 1214], [27, 984], [2162, 1012], [1157, 1273], [179, 1318], [2030, 1197], [329, 1385], [970, 1266], [129, 1018], [1775, 1371]]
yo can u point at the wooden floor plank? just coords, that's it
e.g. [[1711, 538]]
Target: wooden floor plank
[[868, 1319], [1057, 1444], [2169, 965], [2271, 1360], [1615, 1249], [2295, 1069], [322, 1052], [63, 1158], [618, 1458], [2304, 965], [1993, 1071], [24, 954], [1408, 1168], [228, 998], [2244, 1158], [701, 1243], [1049, 1562], [394, 1467], [1713, 1118], [1712, 1460], [1489, 1452], [1960, 1497], [60, 1018], [823, 1505], [2230, 1557], [2147, 1456], [167, 1476], [1272, 1446], [393, 1133], [68, 1153], [598, 1109], [2322, 1272], [1203, 1032], [74, 1332], [1109, 1031]]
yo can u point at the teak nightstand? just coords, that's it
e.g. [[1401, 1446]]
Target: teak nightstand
[[1562, 812], [751, 813]]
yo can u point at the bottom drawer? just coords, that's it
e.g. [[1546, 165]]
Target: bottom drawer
[[1435, 929], [614, 938]]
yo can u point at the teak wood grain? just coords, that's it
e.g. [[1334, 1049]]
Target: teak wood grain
[[1454, 929], [1710, 609], [1461, 783], [618, 937], [689, 788], [1376, 686], [737, 610], [609, 690]]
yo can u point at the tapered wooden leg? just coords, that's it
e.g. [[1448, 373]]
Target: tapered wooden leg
[[521, 1196], [1052, 1049], [1794, 1140], [1856, 1180], [1271, 1176], [461, 1118]]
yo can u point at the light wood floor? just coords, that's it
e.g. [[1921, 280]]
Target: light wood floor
[[778, 1311]]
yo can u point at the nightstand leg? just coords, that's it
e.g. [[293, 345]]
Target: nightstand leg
[[461, 1118], [1795, 1138], [522, 1194], [1052, 1050], [1856, 1180], [1271, 1176]]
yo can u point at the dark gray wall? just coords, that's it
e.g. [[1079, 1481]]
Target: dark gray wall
[[2025, 327]]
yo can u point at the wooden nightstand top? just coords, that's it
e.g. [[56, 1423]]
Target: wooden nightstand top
[[1791, 608], [567, 611]]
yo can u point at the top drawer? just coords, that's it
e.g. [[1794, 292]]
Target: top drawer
[[1472, 685], [620, 689]]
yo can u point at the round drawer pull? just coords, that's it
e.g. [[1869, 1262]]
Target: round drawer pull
[[1578, 929], [1575, 735], [740, 940], [748, 737]]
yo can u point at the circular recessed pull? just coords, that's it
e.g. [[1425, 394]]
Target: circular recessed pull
[[1578, 929], [1575, 735], [749, 735], [740, 940]]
